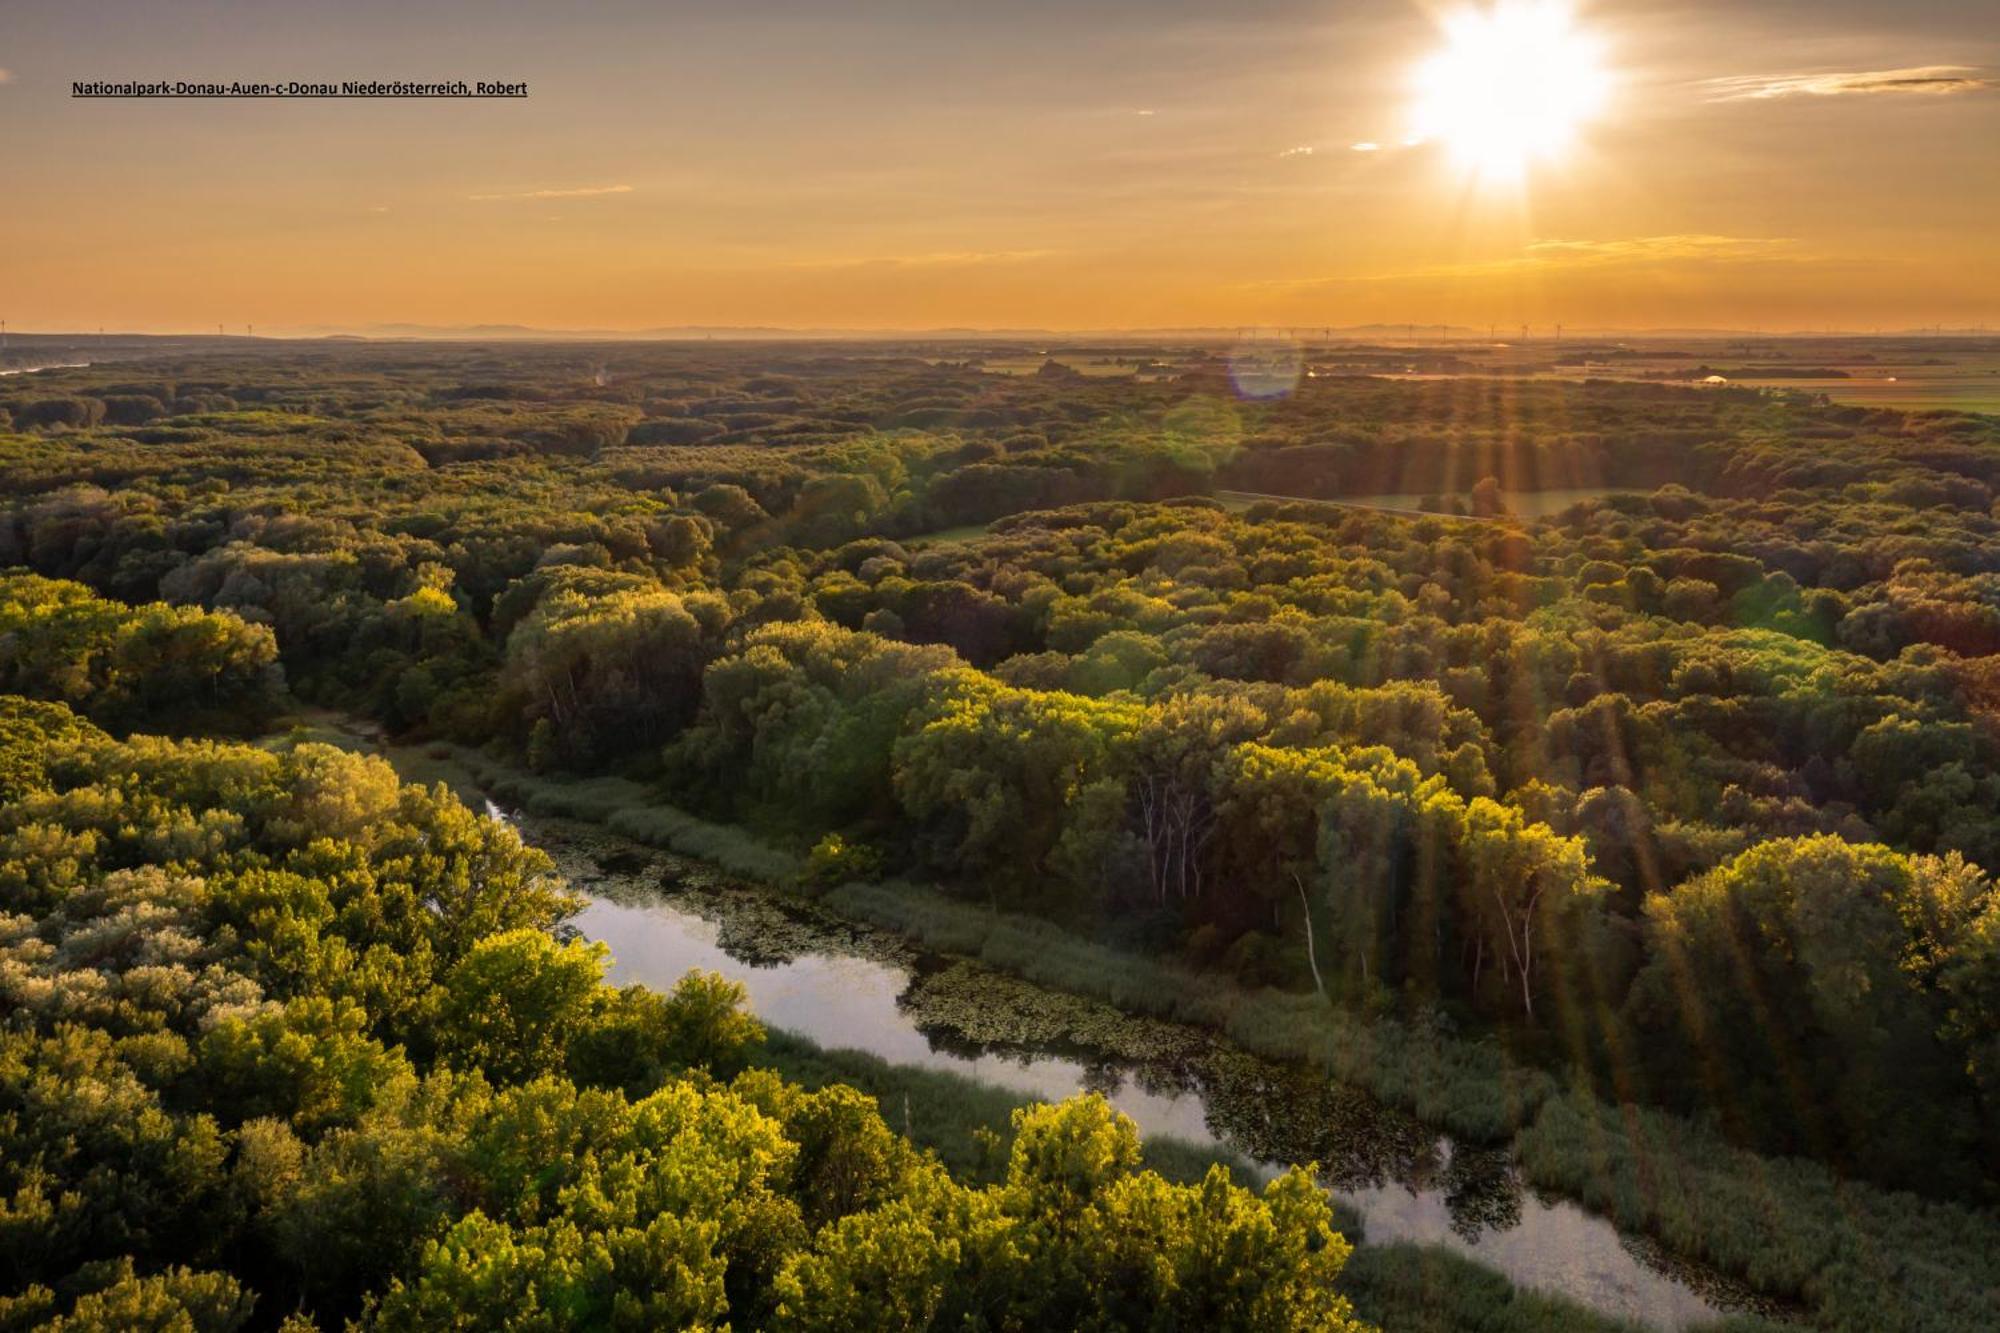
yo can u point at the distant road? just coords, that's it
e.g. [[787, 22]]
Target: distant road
[[1364, 505]]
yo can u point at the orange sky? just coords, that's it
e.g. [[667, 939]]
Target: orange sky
[[910, 165]]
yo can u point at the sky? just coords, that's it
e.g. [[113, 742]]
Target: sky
[[834, 164]]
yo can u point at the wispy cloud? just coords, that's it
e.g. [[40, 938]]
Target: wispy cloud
[[1920, 80], [582, 192], [1303, 150], [1557, 254], [1650, 249], [1376, 146], [940, 259], [1562, 255]]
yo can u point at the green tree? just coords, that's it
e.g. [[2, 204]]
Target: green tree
[[516, 1000]]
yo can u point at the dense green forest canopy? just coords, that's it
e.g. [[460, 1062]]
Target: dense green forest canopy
[[298, 1038], [1692, 790]]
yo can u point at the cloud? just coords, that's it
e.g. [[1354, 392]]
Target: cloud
[[1371, 146], [584, 192], [1563, 256], [1303, 150], [942, 259], [1651, 249], [1924, 80]]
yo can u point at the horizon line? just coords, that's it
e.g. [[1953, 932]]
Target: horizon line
[[1551, 333]]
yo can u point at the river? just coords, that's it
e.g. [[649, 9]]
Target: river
[[1404, 1181]]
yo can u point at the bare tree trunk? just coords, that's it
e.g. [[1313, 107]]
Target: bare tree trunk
[[1521, 942], [1528, 956], [1185, 835], [1156, 846], [1312, 959]]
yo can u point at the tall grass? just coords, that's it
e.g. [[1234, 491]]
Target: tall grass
[[1469, 1088], [1857, 1257], [625, 807], [1405, 1288], [1861, 1258], [966, 1122], [1400, 1287]]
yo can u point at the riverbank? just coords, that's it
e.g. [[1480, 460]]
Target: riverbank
[[1398, 1286], [1850, 1255], [845, 984], [1853, 1256], [968, 1123]]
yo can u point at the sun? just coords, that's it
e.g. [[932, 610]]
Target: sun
[[1513, 85]]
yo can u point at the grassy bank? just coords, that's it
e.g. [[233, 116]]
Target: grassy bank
[[1853, 1256], [1405, 1288], [1401, 1288], [1467, 1088], [628, 808], [1858, 1258], [968, 1123], [620, 805]]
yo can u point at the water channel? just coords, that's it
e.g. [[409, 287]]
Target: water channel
[[851, 987]]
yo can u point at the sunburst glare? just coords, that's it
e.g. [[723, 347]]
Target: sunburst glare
[[1513, 85]]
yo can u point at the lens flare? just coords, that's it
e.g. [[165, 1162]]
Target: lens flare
[[1263, 369]]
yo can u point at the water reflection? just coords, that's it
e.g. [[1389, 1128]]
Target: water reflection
[[847, 986]]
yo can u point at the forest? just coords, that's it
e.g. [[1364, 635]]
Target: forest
[[1681, 806]]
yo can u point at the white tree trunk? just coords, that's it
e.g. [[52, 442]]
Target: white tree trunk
[[1312, 958]]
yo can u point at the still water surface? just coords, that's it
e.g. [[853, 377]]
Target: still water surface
[[842, 1001]]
